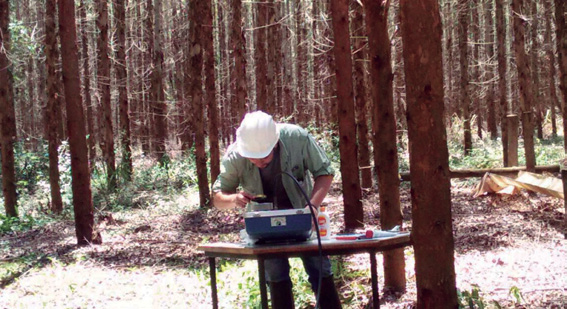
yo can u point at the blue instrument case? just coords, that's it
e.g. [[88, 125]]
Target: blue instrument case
[[278, 225]]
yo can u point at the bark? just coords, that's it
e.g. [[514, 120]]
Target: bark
[[464, 69], [80, 174], [157, 96], [7, 115], [502, 70], [353, 212], [27, 115], [288, 96], [271, 29], [432, 231], [195, 54], [318, 65], [384, 128], [122, 80], [209, 72], [552, 94], [561, 35], [260, 56], [144, 61], [399, 85], [526, 91], [359, 55], [561, 31], [91, 140], [490, 98], [274, 60], [53, 103], [103, 72], [534, 50], [448, 31], [476, 90], [179, 36], [301, 63], [238, 43]]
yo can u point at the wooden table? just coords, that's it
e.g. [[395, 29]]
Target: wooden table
[[329, 247]]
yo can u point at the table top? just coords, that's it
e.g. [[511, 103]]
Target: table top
[[310, 247]]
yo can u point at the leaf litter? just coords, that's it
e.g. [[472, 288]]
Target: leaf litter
[[149, 257]]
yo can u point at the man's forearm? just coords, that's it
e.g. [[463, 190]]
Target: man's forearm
[[224, 200], [320, 189]]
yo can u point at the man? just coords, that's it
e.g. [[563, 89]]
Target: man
[[253, 165]]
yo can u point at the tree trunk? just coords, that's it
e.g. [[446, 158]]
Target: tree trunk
[[512, 124], [210, 88], [464, 68], [353, 212], [195, 54], [179, 39], [157, 96], [288, 100], [80, 173], [7, 115], [476, 90], [449, 64], [538, 107], [87, 82], [260, 56], [432, 231], [490, 98], [526, 91], [238, 43], [103, 73], [552, 94], [561, 35], [359, 55], [300, 90], [502, 70], [121, 75], [53, 103], [274, 61], [399, 85], [384, 128], [271, 28]]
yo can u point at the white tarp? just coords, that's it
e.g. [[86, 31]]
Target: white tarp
[[493, 183]]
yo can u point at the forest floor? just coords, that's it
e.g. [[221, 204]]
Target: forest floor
[[149, 257]]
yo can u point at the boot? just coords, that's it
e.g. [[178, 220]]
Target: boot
[[281, 295], [329, 297]]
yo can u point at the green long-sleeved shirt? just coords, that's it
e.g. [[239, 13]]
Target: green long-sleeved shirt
[[299, 155]]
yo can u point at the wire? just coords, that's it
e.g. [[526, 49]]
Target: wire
[[311, 208]]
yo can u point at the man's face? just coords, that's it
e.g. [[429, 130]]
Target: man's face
[[263, 162]]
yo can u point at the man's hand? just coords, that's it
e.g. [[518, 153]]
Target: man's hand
[[242, 198], [225, 200], [315, 212]]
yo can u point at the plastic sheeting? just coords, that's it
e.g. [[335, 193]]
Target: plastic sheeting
[[493, 183]]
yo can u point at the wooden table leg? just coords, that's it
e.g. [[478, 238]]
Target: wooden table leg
[[262, 279], [213, 271], [374, 275]]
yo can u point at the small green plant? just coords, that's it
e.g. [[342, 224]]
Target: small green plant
[[16, 224], [517, 294], [471, 299], [15, 267]]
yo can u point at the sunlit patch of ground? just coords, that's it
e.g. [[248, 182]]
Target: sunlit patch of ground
[[148, 258]]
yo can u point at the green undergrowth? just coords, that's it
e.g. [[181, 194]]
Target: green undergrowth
[[237, 283], [15, 267], [473, 299]]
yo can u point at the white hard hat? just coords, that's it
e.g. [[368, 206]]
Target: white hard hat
[[257, 135]]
